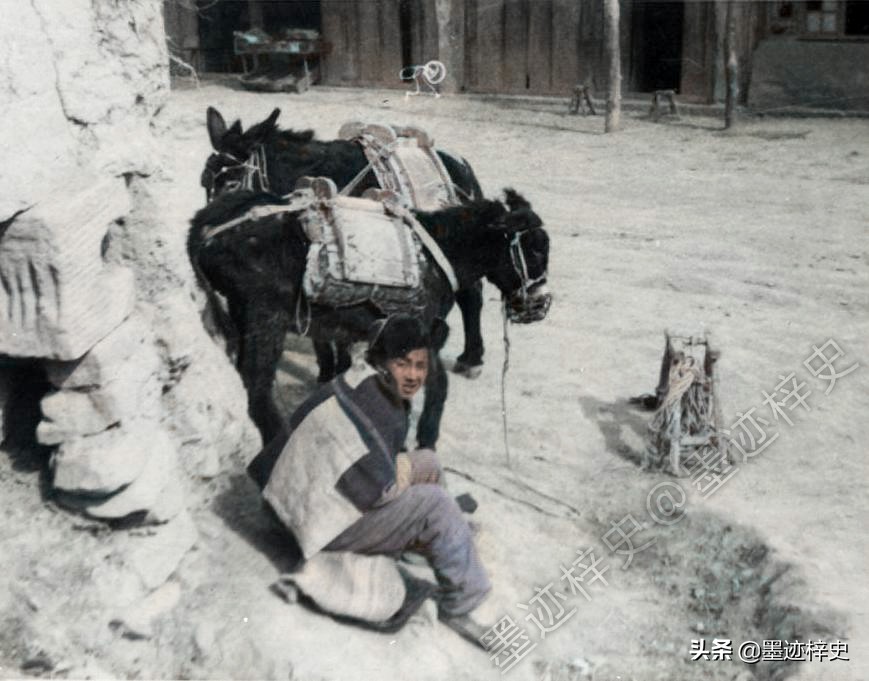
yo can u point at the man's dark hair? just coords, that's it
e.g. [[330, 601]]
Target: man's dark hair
[[394, 337]]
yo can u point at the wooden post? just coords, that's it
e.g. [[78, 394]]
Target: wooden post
[[451, 42], [614, 66], [731, 68]]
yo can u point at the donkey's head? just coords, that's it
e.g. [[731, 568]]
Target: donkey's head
[[521, 258], [238, 158]]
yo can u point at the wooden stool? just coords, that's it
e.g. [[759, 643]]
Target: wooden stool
[[580, 100], [657, 96]]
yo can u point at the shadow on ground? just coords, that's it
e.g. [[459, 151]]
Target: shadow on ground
[[624, 426], [241, 507]]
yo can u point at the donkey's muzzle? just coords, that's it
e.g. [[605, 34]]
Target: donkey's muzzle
[[530, 307]]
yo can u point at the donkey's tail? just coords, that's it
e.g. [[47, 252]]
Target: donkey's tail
[[215, 317]]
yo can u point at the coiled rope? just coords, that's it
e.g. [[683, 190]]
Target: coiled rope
[[676, 415]]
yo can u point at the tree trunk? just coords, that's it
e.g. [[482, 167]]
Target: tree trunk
[[614, 67], [731, 68]]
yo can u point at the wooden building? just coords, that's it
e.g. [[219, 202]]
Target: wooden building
[[546, 47], [812, 54], [539, 47]]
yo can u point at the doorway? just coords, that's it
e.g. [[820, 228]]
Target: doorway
[[656, 45], [218, 20]]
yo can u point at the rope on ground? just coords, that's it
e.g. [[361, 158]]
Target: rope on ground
[[499, 492], [519, 500], [504, 368], [554, 500]]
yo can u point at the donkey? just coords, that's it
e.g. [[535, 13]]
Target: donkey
[[269, 159], [257, 264]]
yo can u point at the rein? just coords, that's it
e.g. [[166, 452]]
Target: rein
[[254, 213], [504, 368], [531, 308], [255, 171], [520, 266]]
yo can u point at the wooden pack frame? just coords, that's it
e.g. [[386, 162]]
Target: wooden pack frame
[[405, 162], [686, 429], [364, 249]]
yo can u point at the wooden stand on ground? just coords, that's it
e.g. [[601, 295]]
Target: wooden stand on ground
[[663, 95], [686, 427], [581, 101]]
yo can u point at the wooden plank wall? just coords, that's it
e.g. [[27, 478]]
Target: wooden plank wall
[[424, 31], [540, 47], [532, 46], [698, 52], [366, 42]]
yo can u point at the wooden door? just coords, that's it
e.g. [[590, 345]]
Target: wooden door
[[365, 36], [531, 46]]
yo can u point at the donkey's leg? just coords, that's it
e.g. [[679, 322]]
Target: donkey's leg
[[262, 344], [470, 302], [342, 355], [428, 428], [325, 360]]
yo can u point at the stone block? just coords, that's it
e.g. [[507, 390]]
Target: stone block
[[133, 395], [157, 491], [103, 463], [68, 414], [132, 341], [58, 296]]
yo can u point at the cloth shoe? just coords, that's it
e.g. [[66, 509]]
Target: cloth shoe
[[466, 627], [472, 626]]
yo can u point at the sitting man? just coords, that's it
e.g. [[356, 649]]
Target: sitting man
[[343, 483]]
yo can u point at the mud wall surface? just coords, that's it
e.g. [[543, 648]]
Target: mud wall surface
[[79, 85], [810, 74]]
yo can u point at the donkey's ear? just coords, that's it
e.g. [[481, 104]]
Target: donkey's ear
[[492, 214], [515, 200], [258, 133], [522, 220], [216, 127], [273, 116]]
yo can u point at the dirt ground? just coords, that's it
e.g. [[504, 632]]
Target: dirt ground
[[759, 235]]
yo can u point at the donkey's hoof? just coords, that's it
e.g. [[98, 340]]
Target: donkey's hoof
[[467, 370]]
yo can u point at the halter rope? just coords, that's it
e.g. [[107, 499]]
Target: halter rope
[[504, 368]]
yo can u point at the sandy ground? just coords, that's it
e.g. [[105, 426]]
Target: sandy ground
[[759, 235]]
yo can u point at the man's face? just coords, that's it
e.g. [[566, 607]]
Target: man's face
[[409, 372]]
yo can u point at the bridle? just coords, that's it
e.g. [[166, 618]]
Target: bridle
[[523, 307], [255, 172]]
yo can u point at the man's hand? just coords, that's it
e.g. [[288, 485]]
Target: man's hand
[[419, 467], [403, 471], [425, 467]]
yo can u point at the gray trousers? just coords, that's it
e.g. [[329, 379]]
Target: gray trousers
[[426, 519]]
